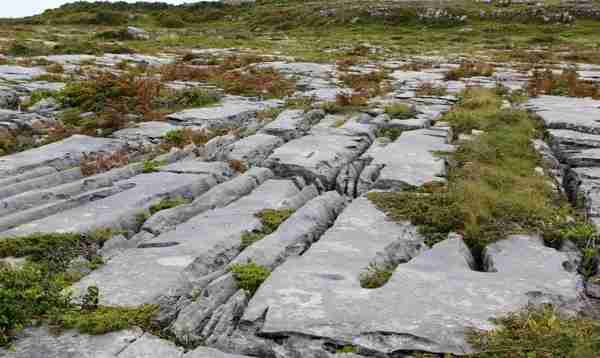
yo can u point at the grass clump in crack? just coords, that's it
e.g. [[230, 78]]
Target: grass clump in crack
[[91, 318], [249, 276], [270, 220], [538, 332], [494, 190], [400, 111], [167, 203], [376, 276]]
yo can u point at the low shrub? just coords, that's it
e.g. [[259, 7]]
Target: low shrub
[[237, 165], [35, 290], [567, 83], [371, 84], [95, 163]]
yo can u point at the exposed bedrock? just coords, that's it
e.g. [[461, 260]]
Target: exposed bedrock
[[319, 295]]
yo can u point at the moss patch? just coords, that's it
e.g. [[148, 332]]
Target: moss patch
[[270, 220], [376, 276], [167, 203], [104, 319], [400, 111], [249, 276]]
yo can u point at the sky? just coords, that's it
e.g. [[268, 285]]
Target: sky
[[21, 8]]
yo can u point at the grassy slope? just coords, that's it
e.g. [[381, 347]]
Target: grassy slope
[[297, 28]]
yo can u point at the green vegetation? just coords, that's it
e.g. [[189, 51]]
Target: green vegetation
[[326, 31], [493, 190], [39, 95], [249, 276], [400, 111], [346, 349], [151, 166], [101, 319], [270, 220], [195, 97], [540, 333], [376, 276], [36, 289], [391, 133], [167, 203]]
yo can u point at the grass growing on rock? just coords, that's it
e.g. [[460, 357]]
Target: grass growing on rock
[[376, 276], [493, 190], [540, 333], [470, 69], [167, 203], [31, 292], [249, 276], [102, 319], [270, 220], [400, 111]]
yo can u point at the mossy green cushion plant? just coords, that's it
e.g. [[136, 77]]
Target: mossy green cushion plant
[[376, 276], [249, 276], [270, 220]]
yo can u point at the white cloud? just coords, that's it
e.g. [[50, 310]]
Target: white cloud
[[21, 8]]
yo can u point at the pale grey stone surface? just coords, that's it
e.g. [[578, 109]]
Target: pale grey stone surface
[[251, 150], [231, 112], [144, 131], [290, 124], [557, 112], [297, 233], [205, 352], [38, 342], [60, 155], [319, 294], [119, 211], [198, 246], [410, 161], [219, 196], [320, 156], [149, 346], [19, 73]]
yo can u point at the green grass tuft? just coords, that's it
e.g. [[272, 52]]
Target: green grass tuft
[[270, 220], [540, 333], [167, 203], [400, 111], [104, 319], [249, 276]]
